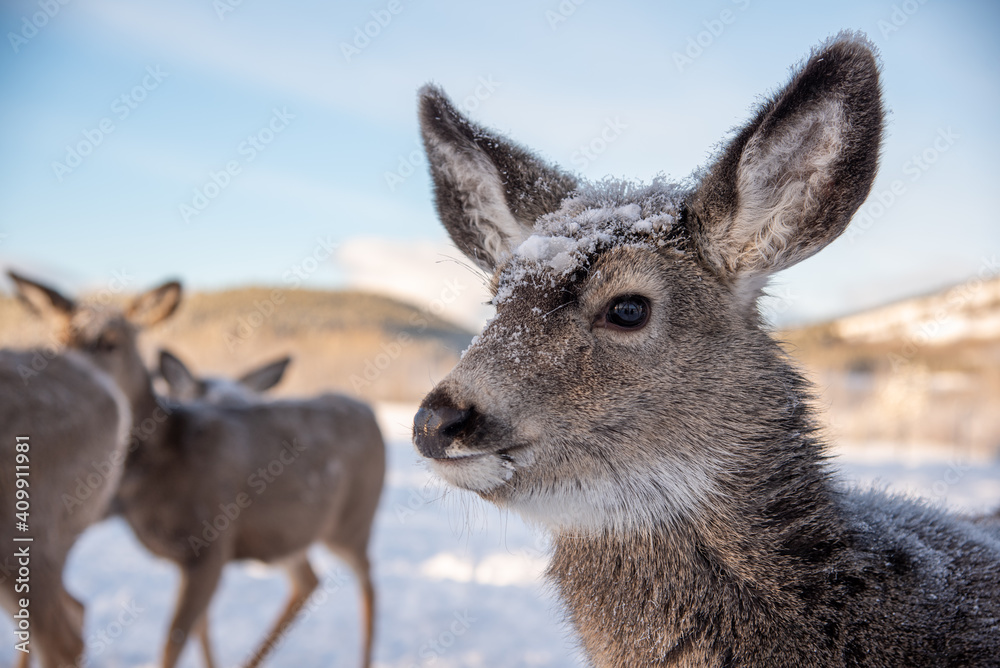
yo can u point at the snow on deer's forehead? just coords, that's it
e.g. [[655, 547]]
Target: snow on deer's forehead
[[564, 242]]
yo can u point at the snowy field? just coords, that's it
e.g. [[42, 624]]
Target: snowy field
[[458, 582]]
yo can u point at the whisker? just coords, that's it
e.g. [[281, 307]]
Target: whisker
[[472, 269], [556, 309]]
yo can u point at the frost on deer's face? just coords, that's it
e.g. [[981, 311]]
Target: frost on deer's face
[[556, 379]]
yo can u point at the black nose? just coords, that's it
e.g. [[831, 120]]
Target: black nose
[[435, 426]]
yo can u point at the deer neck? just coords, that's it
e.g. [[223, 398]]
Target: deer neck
[[151, 416], [732, 575]]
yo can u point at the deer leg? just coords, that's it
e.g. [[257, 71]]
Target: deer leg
[[55, 632], [198, 583], [74, 609], [57, 622], [354, 553], [206, 644], [362, 570], [303, 583]]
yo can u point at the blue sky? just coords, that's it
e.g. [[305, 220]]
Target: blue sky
[[331, 127]]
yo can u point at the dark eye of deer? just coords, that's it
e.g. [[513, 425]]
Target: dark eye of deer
[[106, 344], [628, 312]]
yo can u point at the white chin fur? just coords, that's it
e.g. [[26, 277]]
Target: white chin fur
[[479, 473]]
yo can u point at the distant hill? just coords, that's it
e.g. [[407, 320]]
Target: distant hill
[[920, 371], [361, 343]]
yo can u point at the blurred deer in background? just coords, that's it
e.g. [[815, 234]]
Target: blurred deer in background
[[64, 428], [185, 386], [627, 397], [204, 485]]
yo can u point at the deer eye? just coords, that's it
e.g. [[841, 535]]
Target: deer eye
[[627, 312], [106, 343]]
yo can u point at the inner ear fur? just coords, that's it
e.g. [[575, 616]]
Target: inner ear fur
[[489, 191], [155, 305], [790, 181]]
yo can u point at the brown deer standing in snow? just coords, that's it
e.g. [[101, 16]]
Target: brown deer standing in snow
[[64, 427], [626, 397], [204, 485]]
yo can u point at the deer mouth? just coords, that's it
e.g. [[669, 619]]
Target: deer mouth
[[479, 471], [467, 448], [457, 457]]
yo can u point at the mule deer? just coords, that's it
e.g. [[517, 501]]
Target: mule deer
[[64, 427], [185, 386], [204, 485], [627, 397]]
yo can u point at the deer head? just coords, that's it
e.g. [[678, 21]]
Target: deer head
[[625, 381], [106, 333]]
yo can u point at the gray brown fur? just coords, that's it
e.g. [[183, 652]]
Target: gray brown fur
[[76, 422], [677, 465], [188, 463]]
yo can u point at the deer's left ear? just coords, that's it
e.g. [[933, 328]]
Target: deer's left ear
[[41, 299], [183, 384], [790, 181]]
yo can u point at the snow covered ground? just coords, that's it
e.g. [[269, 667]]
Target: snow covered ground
[[458, 581]]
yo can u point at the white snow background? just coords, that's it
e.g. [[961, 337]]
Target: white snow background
[[459, 583]]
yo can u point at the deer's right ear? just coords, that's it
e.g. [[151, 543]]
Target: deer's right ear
[[156, 305], [180, 379], [489, 191], [266, 376], [40, 299]]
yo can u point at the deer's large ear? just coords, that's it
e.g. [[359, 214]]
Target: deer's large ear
[[489, 191], [183, 384], [41, 299], [790, 181], [266, 376], [156, 305]]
